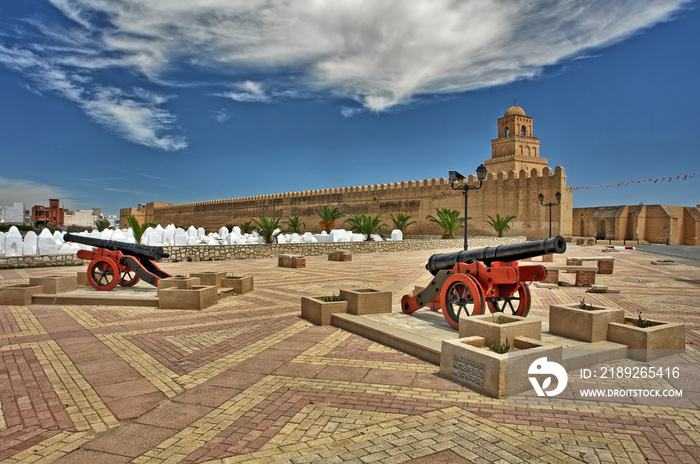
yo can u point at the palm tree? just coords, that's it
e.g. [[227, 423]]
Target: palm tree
[[267, 228], [328, 217], [295, 224], [138, 229], [448, 220], [102, 224], [247, 227], [355, 222], [370, 225], [500, 224], [401, 221]]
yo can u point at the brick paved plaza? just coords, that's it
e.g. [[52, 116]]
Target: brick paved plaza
[[248, 380]]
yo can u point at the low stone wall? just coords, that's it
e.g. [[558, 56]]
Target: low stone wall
[[230, 252], [40, 261]]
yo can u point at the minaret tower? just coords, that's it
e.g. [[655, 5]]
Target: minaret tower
[[515, 148]]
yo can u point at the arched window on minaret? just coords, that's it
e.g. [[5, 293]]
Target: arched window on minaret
[[521, 150], [523, 130], [506, 132]]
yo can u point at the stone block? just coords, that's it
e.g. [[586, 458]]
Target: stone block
[[320, 312], [585, 278], [571, 321], [340, 255], [55, 284], [468, 361], [240, 285], [606, 266], [497, 327], [648, 343], [574, 262], [552, 277], [81, 279], [366, 301], [19, 295], [293, 261], [210, 278], [182, 283], [196, 297], [549, 258]]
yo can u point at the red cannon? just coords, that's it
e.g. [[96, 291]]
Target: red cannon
[[120, 263], [468, 281]]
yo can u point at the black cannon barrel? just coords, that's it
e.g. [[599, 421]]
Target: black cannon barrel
[[131, 249], [506, 253]]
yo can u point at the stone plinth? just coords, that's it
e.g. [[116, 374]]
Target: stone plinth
[[19, 295], [648, 343], [239, 285], [606, 266], [548, 258], [55, 284], [497, 327], [585, 277], [182, 283], [320, 312], [366, 301], [196, 297], [552, 277], [340, 255], [571, 321], [293, 261], [210, 278], [81, 279], [468, 362]]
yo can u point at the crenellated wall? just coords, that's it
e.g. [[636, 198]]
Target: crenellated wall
[[506, 194]]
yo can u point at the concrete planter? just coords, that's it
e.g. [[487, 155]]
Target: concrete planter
[[468, 361], [55, 284], [183, 283], [210, 278], [19, 295], [366, 301], [196, 297], [315, 310], [648, 343], [488, 326], [571, 321], [240, 285]]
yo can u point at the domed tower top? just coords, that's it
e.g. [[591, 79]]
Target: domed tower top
[[514, 110], [515, 148]]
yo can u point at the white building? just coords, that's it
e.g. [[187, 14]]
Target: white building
[[12, 214]]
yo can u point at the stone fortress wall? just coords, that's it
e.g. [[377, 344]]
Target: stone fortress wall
[[517, 176], [508, 194]]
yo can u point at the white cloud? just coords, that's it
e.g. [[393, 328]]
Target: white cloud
[[30, 193], [380, 53], [247, 91]]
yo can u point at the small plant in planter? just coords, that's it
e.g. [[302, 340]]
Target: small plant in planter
[[329, 298], [582, 304], [501, 348], [642, 323]]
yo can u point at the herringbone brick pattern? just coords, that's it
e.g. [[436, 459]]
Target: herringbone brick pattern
[[247, 380]]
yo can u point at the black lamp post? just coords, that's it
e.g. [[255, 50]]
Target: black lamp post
[[558, 197], [455, 177]]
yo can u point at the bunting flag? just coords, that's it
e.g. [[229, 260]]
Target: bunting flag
[[623, 183]]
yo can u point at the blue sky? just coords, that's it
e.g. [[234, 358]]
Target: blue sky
[[109, 104]]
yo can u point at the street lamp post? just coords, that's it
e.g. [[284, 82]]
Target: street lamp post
[[455, 177], [558, 197]]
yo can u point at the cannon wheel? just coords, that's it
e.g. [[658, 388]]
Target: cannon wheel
[[461, 294], [518, 304], [129, 278], [103, 273]]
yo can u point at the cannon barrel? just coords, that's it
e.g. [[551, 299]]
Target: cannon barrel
[[131, 249], [513, 252]]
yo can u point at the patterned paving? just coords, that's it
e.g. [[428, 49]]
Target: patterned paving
[[248, 381]]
